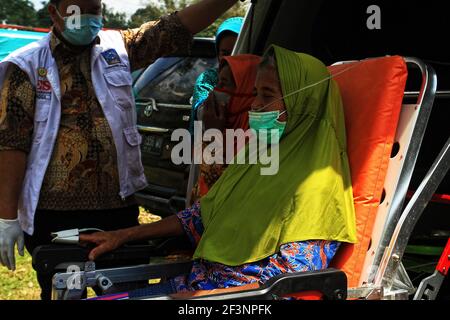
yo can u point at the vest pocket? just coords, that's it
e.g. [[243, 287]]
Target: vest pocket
[[40, 121], [120, 82], [133, 151]]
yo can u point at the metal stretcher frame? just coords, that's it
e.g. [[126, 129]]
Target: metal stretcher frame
[[425, 103], [387, 277]]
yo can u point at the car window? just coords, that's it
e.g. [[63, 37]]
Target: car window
[[153, 73], [136, 74], [172, 79]]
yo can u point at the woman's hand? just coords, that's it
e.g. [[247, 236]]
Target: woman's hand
[[109, 241], [105, 241]]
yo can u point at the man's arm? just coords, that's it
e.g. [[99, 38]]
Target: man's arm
[[17, 100], [187, 222], [12, 171], [201, 15], [16, 129], [171, 34], [109, 241]]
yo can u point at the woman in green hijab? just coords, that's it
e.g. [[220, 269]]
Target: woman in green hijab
[[251, 227]]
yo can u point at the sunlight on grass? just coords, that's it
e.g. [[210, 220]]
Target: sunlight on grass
[[22, 284]]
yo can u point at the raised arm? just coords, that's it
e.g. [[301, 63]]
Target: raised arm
[[171, 34], [199, 16]]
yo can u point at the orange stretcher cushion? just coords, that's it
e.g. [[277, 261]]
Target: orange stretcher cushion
[[372, 92]]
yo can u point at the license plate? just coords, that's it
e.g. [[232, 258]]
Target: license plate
[[152, 144]]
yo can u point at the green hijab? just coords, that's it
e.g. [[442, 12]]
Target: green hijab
[[247, 216]]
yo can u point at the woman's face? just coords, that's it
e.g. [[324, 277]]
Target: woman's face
[[226, 82], [268, 92], [226, 79], [226, 46]]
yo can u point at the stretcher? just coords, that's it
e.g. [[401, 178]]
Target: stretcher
[[385, 126]]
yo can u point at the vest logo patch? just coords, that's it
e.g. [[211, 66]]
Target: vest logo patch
[[43, 87], [44, 95], [42, 72], [111, 56]]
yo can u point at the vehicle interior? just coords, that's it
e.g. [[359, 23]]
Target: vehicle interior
[[407, 226]]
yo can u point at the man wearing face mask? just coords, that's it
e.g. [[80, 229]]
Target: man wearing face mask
[[69, 146]]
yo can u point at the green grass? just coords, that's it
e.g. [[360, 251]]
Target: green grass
[[22, 284]]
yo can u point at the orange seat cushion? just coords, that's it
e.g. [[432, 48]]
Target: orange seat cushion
[[372, 92]]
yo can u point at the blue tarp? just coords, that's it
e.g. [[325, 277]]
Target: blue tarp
[[11, 40]]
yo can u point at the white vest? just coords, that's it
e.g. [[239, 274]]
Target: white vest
[[112, 82]]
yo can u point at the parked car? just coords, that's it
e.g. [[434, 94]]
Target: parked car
[[163, 95]]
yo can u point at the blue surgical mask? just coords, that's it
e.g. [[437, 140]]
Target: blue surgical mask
[[86, 32], [264, 122]]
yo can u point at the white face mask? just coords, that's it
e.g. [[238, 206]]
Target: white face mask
[[84, 33]]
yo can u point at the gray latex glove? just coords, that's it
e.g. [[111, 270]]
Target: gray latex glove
[[10, 234]]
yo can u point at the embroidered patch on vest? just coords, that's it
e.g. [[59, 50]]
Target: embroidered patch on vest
[[43, 88], [111, 56], [42, 72]]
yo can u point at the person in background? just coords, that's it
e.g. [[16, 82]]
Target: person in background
[[226, 37], [237, 75]]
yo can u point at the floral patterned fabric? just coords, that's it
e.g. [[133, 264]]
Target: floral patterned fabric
[[292, 257]]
